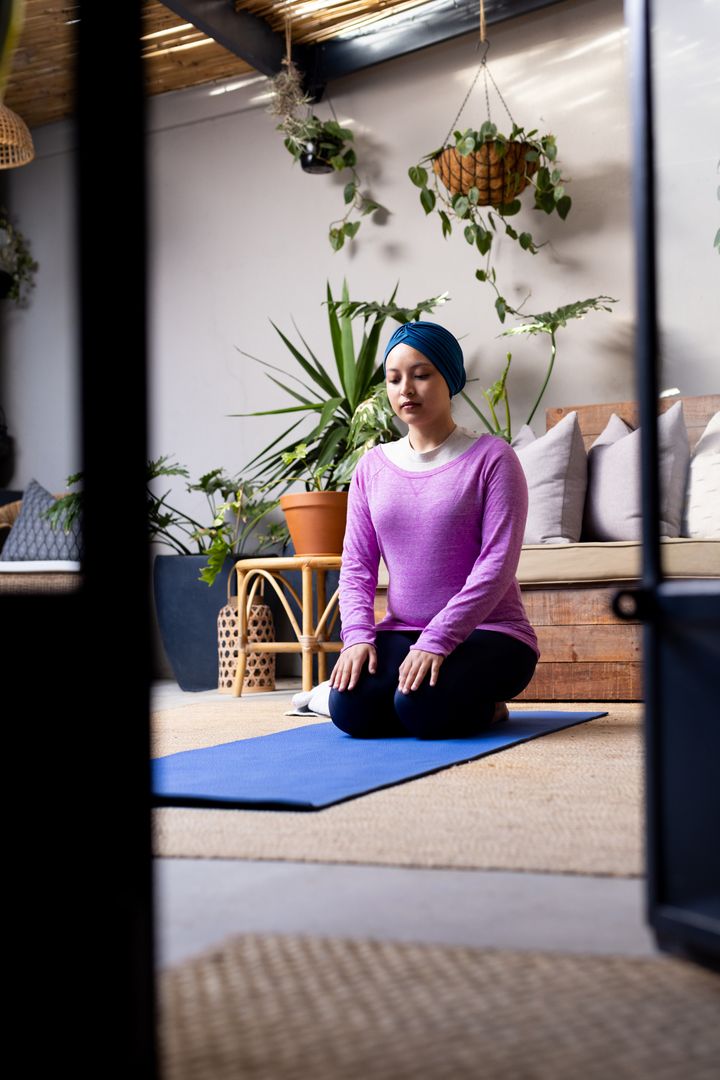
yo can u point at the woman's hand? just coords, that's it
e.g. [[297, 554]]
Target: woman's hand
[[350, 663], [415, 667]]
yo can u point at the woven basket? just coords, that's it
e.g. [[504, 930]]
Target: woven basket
[[498, 179], [260, 667]]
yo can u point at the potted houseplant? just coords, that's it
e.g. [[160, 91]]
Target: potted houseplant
[[191, 584], [17, 266], [321, 146], [476, 182], [349, 409]]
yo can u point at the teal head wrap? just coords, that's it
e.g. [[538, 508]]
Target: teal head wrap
[[438, 345]]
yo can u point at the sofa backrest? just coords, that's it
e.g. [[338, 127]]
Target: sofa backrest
[[592, 419]]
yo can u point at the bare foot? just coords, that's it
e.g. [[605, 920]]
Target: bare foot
[[501, 712]]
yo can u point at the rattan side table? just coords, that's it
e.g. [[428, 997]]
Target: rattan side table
[[311, 638]]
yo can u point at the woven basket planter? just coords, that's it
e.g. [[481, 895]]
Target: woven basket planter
[[499, 180], [260, 667]]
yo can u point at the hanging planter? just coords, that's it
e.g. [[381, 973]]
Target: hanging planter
[[475, 181], [321, 146]]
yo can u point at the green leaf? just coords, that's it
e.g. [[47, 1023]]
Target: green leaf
[[368, 206], [548, 145], [349, 192], [563, 206], [446, 226], [427, 198], [500, 148], [470, 233], [418, 175], [716, 241], [544, 201], [483, 240], [532, 155], [542, 178], [333, 128], [555, 176], [317, 374], [338, 162], [500, 307], [461, 206], [481, 275], [509, 231], [467, 146], [337, 239], [473, 196], [351, 227], [508, 209], [349, 158], [488, 131], [526, 241], [558, 193]]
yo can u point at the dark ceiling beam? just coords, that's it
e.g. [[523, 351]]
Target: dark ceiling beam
[[353, 54], [254, 41], [248, 36]]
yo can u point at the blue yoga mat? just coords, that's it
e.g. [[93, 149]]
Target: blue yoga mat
[[308, 768]]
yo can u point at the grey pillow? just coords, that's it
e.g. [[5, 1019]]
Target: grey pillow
[[555, 467], [32, 537], [613, 505]]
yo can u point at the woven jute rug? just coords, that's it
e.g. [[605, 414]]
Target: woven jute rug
[[569, 802], [289, 1008]]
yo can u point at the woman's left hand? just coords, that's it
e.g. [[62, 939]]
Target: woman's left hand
[[415, 667]]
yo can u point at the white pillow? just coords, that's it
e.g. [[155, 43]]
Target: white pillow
[[555, 467], [702, 501], [613, 509]]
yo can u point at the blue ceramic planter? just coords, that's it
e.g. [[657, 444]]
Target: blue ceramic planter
[[187, 611]]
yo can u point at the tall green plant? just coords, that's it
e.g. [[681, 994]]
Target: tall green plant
[[334, 401], [548, 323]]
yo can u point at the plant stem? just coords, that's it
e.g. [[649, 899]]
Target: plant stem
[[553, 351], [475, 409]]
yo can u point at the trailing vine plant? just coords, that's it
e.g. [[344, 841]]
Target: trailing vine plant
[[320, 146], [548, 323]]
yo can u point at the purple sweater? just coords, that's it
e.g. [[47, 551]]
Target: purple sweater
[[451, 540]]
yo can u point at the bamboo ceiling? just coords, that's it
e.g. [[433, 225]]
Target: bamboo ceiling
[[177, 55]]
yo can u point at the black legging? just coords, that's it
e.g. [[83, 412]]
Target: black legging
[[489, 666]]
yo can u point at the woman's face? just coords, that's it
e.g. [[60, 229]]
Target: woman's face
[[418, 393]]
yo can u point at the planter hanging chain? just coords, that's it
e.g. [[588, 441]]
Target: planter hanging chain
[[486, 73]]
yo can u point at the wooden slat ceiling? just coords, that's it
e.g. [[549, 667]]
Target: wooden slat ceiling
[[40, 87]]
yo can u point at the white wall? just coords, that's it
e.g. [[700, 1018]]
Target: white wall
[[687, 123], [239, 237]]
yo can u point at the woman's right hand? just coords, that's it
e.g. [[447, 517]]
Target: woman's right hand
[[350, 663]]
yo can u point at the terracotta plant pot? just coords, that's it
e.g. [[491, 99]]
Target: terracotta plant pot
[[316, 520]]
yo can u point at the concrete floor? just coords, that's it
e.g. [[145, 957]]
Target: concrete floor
[[202, 901]]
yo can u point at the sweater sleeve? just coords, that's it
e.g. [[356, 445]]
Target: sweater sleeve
[[504, 513], [359, 569]]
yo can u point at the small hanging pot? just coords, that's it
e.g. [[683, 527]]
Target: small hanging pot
[[312, 162]]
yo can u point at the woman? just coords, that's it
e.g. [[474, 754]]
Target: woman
[[446, 510]]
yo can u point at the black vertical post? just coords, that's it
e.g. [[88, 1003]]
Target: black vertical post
[[115, 638], [646, 352]]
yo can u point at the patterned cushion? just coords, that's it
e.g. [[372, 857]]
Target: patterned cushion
[[702, 505], [33, 537]]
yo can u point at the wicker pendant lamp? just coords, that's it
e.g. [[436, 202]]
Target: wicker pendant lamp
[[16, 145]]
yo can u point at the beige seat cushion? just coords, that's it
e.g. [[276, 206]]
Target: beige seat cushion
[[615, 560], [609, 560]]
